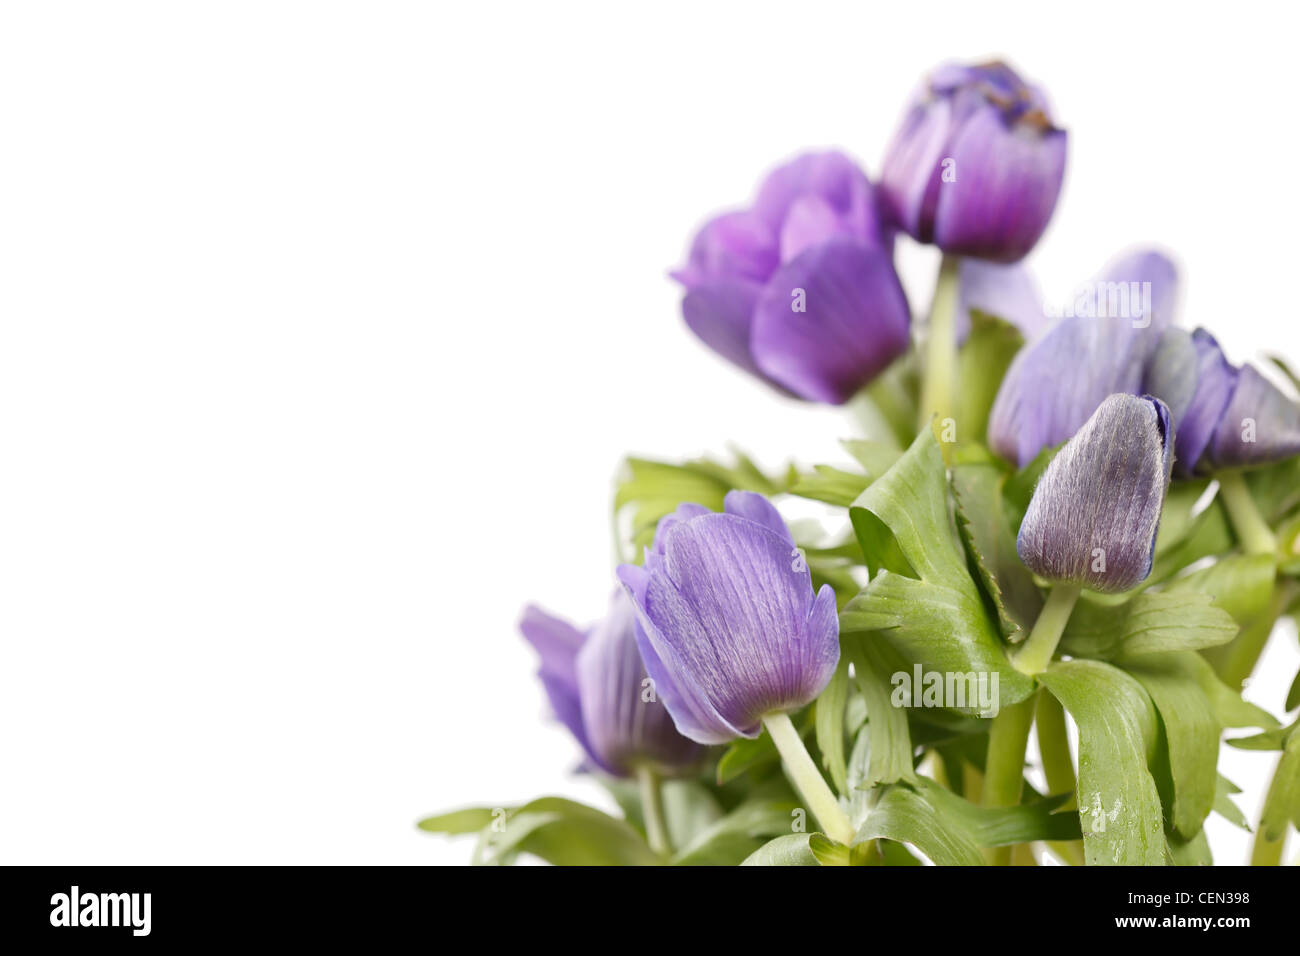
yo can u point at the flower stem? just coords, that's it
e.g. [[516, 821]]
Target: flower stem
[[941, 345], [1252, 530], [832, 819], [1268, 852], [1058, 767], [1036, 653], [652, 810], [1004, 768]]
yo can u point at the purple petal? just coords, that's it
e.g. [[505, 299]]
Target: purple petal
[[1007, 182], [910, 176], [756, 508], [811, 222], [684, 512], [624, 728], [721, 314], [736, 246], [732, 619], [854, 323], [1260, 425], [558, 643], [1007, 292], [831, 177], [1093, 517]]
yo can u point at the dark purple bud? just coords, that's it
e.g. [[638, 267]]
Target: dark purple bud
[[1093, 518], [977, 165], [599, 689], [730, 627], [1100, 346], [800, 289]]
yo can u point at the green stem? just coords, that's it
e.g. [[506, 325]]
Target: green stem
[[1004, 768], [652, 810], [1252, 530], [941, 345], [1036, 653], [1058, 767], [832, 819], [1268, 852]]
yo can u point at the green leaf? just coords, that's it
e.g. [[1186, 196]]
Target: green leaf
[[875, 457], [1152, 622], [740, 833], [893, 396], [1119, 805], [830, 725], [904, 815], [1293, 695], [1282, 805], [1210, 534], [1194, 851], [759, 754], [1004, 826], [469, 820], [936, 618], [689, 809], [982, 519], [887, 743], [1223, 805], [1275, 489], [790, 850], [831, 485], [565, 833], [981, 365], [1240, 584], [1191, 732]]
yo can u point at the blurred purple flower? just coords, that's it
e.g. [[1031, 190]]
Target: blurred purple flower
[[1094, 514], [1005, 291], [800, 288], [977, 165], [730, 627], [598, 686], [1100, 347]]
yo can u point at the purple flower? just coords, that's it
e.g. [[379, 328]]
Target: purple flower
[[977, 165], [730, 627], [1190, 373], [800, 288], [598, 688], [1101, 346], [1094, 514], [1260, 425]]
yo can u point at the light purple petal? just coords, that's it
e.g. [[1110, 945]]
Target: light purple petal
[[734, 245], [830, 176], [625, 726], [1005, 291], [1007, 182], [811, 222], [1094, 514], [1260, 425], [854, 321], [721, 314], [557, 642], [756, 507], [910, 176], [732, 614]]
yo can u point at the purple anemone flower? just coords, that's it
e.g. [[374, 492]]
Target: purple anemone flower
[[1093, 518], [1099, 347], [599, 689], [730, 627], [977, 165], [800, 289]]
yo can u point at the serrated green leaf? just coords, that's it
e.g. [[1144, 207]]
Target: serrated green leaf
[[904, 815], [990, 541], [1119, 805], [469, 820], [1153, 622], [936, 619], [1004, 826], [888, 742]]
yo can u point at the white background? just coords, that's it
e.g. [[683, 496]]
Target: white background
[[325, 327]]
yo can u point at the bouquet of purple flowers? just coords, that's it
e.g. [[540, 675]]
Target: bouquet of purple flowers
[[1084, 516]]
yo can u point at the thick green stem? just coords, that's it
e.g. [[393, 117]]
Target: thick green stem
[[1252, 530], [941, 346], [1036, 653], [825, 808], [1004, 768], [1058, 767], [652, 810]]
